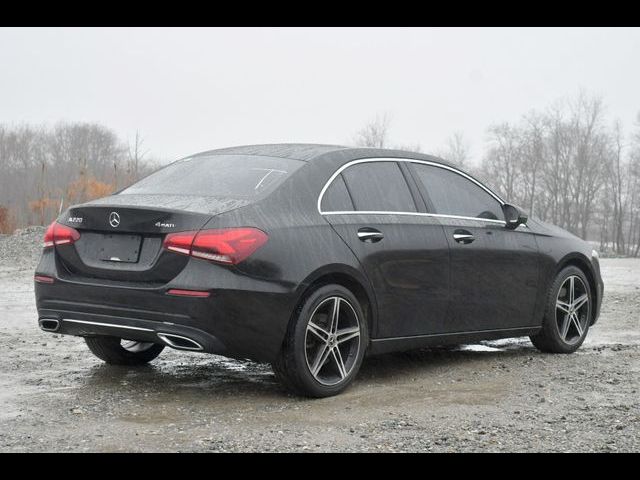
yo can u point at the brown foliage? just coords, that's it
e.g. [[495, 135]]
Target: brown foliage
[[88, 188], [7, 222], [42, 208]]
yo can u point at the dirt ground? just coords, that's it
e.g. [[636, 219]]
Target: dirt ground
[[494, 396]]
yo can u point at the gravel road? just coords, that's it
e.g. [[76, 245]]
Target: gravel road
[[493, 396]]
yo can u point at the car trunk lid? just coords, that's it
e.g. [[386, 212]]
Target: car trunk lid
[[121, 238]]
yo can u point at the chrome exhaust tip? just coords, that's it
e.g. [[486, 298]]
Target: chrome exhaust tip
[[179, 342], [49, 324]]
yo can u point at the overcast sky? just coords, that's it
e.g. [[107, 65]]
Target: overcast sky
[[188, 90]]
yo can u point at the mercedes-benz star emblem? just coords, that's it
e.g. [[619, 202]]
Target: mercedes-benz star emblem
[[114, 219]]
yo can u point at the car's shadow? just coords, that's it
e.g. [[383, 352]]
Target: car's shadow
[[220, 377]]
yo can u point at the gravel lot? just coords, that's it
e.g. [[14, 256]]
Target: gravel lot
[[494, 396]]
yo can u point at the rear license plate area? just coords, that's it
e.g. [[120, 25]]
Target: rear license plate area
[[119, 248]]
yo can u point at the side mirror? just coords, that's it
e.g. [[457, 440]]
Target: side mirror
[[513, 216]]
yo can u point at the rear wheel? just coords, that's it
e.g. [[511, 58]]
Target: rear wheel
[[117, 351], [325, 344], [568, 313]]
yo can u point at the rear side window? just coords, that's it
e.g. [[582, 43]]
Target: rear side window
[[378, 186], [236, 176], [336, 198], [453, 194]]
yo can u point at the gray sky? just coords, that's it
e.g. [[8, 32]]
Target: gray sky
[[188, 90]]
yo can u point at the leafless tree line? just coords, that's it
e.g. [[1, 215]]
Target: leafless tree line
[[566, 165], [569, 167], [43, 170]]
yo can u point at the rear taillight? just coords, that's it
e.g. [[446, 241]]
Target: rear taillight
[[58, 234], [225, 245], [43, 279]]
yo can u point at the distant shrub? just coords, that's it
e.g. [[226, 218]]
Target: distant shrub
[[7, 222]]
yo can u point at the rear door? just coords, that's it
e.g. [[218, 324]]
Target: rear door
[[403, 252], [494, 270]]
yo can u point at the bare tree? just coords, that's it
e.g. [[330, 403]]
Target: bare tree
[[615, 190], [457, 150], [375, 133], [634, 192], [502, 163], [136, 156]]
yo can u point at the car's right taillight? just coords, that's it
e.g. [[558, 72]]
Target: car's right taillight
[[58, 234], [223, 245]]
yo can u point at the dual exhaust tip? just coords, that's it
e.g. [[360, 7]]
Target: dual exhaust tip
[[49, 324], [175, 341], [180, 342]]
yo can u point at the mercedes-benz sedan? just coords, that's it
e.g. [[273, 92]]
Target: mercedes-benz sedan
[[308, 257]]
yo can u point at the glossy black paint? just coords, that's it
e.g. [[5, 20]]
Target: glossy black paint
[[418, 285]]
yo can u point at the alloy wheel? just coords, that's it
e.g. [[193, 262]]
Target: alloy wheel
[[332, 340], [572, 309]]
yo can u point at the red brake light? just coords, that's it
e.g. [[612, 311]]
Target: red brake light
[[179, 242], [58, 234], [188, 293], [225, 245], [43, 279]]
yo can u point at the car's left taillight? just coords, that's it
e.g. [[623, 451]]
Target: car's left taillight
[[58, 234], [223, 245]]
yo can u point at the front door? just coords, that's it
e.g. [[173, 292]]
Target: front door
[[494, 270]]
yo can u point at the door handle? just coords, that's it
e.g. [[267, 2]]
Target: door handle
[[463, 236], [370, 235]]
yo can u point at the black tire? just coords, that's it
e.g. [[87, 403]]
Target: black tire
[[292, 367], [110, 350], [550, 339]]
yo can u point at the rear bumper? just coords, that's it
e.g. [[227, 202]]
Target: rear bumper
[[168, 333], [242, 318]]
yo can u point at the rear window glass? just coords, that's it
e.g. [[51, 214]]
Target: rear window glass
[[241, 176]]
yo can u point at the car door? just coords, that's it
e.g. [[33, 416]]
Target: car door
[[403, 251], [494, 270]]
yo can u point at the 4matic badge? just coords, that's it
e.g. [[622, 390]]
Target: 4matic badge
[[165, 225]]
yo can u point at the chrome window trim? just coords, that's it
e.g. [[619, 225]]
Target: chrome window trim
[[409, 160], [419, 214]]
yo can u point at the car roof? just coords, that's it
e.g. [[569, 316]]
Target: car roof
[[308, 152], [295, 151]]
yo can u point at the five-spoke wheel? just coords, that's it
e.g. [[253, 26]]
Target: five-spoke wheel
[[572, 309], [332, 340], [325, 343], [568, 313]]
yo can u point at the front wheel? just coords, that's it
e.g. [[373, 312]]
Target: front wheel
[[116, 351], [324, 345], [567, 315]]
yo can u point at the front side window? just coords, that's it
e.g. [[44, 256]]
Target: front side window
[[453, 194], [235, 176], [378, 186]]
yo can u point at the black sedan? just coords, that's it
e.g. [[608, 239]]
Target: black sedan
[[308, 257]]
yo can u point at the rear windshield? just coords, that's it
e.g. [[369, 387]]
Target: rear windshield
[[238, 176]]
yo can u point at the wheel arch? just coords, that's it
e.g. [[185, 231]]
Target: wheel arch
[[349, 278]]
